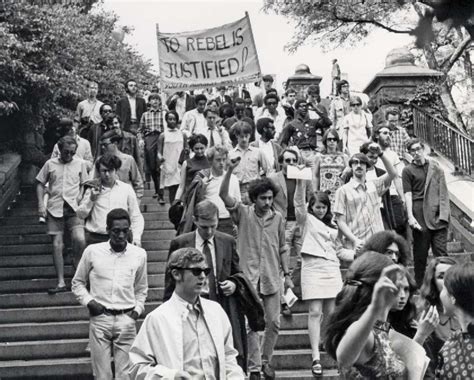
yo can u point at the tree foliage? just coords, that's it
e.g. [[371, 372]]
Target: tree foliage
[[334, 23], [47, 55]]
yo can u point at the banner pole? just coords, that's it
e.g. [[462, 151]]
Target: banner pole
[[158, 51], [254, 44]]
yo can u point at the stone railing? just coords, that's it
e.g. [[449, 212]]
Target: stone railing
[[9, 179]]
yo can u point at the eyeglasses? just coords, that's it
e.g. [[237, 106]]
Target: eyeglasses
[[196, 271], [107, 111], [332, 139], [356, 104], [357, 162], [290, 160], [416, 149]]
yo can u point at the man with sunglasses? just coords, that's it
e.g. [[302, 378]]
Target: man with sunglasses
[[188, 336], [357, 204], [97, 130], [115, 273], [427, 201]]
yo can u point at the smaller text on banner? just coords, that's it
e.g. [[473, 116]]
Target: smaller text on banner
[[225, 55]]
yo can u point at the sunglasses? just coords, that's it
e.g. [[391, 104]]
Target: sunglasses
[[355, 104], [290, 160], [106, 111], [358, 162], [197, 271], [332, 139]]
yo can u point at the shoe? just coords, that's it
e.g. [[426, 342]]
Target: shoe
[[155, 195], [254, 376], [41, 220], [285, 310], [161, 201], [268, 372], [317, 368], [57, 289]]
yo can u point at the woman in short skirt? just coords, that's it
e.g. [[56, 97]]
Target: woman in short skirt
[[320, 274]]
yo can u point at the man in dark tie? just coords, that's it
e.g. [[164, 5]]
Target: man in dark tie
[[221, 253], [223, 98]]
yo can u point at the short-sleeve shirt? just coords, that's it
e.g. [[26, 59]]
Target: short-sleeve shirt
[[64, 181], [260, 243], [414, 179], [252, 161], [456, 358], [359, 206]]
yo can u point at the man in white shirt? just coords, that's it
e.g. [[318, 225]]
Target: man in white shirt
[[272, 111], [116, 273], [187, 337], [270, 148], [104, 194], [89, 109], [194, 121]]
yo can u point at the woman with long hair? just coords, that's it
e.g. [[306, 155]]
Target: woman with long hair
[[457, 355], [403, 315], [430, 297], [357, 334], [320, 274], [329, 165]]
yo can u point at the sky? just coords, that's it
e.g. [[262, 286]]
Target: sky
[[271, 33]]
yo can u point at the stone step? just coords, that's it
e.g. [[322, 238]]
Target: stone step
[[80, 369], [69, 368], [28, 273], [290, 337], [299, 358], [43, 238], [28, 202], [19, 229], [57, 314], [47, 259], [26, 300], [42, 285]]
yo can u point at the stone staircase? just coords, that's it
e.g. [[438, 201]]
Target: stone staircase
[[44, 337]]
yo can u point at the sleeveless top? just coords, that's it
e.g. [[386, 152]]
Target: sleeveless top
[[384, 364], [172, 147]]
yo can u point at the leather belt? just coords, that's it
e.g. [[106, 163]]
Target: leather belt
[[117, 312]]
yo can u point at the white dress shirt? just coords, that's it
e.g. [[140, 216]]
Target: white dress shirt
[[118, 280]]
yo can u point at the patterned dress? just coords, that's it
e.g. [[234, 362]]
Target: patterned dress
[[456, 358], [331, 166], [384, 364]]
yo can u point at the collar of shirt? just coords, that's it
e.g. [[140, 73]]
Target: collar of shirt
[[420, 166], [104, 188], [357, 183], [239, 149], [186, 307], [155, 110], [121, 253], [200, 240]]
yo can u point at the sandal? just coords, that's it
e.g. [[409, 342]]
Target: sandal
[[317, 368]]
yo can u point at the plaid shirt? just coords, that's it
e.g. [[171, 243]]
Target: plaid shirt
[[152, 121], [398, 141]]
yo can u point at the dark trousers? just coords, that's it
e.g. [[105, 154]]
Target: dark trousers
[[93, 238], [423, 240], [152, 164], [172, 193]]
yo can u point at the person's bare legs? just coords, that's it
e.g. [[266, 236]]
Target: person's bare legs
[[58, 246]]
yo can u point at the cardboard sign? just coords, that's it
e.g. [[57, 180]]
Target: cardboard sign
[[220, 56], [295, 172]]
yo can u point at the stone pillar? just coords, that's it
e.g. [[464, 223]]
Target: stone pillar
[[396, 83], [301, 79]]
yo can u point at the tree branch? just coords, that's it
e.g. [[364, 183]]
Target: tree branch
[[372, 22], [449, 62]]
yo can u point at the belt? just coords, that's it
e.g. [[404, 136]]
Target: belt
[[308, 148], [117, 312]]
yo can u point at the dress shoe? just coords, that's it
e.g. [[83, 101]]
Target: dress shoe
[[268, 371], [57, 289], [254, 376]]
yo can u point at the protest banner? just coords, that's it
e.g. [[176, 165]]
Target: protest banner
[[225, 55]]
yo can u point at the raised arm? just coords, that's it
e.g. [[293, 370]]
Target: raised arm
[[228, 200]]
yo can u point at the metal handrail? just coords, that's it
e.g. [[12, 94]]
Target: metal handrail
[[446, 140]]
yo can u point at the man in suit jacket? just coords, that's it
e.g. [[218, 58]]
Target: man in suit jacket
[[223, 254], [131, 107], [222, 98]]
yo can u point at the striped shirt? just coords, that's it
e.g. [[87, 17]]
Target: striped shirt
[[152, 121], [359, 204]]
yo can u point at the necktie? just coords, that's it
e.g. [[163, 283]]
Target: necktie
[[211, 278], [211, 138]]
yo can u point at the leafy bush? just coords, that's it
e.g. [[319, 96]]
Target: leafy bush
[[47, 55]]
